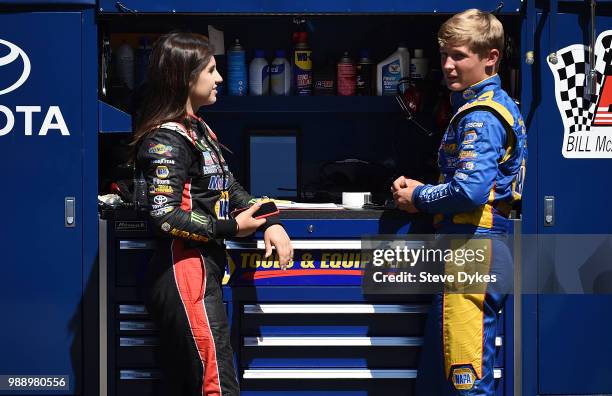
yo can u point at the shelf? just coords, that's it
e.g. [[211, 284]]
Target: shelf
[[304, 104], [113, 120]]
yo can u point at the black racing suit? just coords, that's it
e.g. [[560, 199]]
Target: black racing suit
[[191, 192]]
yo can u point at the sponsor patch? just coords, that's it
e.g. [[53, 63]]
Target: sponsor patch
[[222, 206], [208, 160], [160, 189], [163, 161], [468, 165], [218, 183], [162, 172], [468, 147], [461, 175], [161, 212], [468, 154], [160, 149], [188, 235], [158, 206], [468, 94], [160, 181], [160, 199], [470, 137], [212, 169], [474, 125], [200, 219], [463, 378], [165, 227]]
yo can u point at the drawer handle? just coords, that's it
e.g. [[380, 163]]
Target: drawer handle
[[138, 375], [337, 374], [332, 341], [128, 309], [136, 245], [135, 326], [138, 341], [328, 374], [336, 308]]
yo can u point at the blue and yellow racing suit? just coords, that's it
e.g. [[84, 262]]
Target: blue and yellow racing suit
[[482, 168]]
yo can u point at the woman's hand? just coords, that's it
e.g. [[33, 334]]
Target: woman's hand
[[247, 224], [276, 236]]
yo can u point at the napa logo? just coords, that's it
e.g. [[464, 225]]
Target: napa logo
[[162, 172], [54, 119], [463, 378]]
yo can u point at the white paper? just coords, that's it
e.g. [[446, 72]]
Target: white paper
[[215, 37]]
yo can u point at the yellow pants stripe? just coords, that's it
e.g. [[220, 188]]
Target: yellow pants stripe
[[463, 314]]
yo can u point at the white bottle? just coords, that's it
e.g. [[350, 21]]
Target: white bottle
[[280, 75], [419, 66], [125, 64], [391, 70], [259, 75]]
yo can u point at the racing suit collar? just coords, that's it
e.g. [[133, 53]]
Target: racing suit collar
[[460, 98]]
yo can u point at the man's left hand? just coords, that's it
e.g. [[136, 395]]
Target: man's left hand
[[403, 196], [277, 236]]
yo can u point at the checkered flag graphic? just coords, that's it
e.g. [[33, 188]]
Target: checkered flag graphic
[[570, 72]]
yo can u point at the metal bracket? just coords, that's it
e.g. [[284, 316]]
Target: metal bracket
[[554, 10], [123, 8], [591, 76]]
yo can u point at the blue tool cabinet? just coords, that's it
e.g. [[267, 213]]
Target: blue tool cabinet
[[309, 334]]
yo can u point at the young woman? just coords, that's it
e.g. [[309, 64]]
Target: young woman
[[191, 193]]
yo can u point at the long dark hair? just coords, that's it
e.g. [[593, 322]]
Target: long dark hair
[[176, 61]]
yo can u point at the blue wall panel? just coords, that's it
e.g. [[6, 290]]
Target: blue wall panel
[[572, 328], [41, 282]]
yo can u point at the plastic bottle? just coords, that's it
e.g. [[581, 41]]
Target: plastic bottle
[[142, 61], [365, 74], [302, 66], [125, 64], [236, 70], [324, 78], [280, 75], [347, 76], [259, 75], [391, 70], [419, 66]]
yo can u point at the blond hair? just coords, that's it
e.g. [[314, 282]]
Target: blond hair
[[480, 31]]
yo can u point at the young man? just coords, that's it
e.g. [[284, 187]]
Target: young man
[[482, 168]]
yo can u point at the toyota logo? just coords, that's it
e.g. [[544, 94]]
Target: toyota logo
[[15, 52]]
